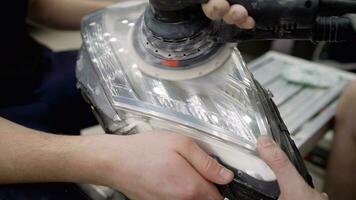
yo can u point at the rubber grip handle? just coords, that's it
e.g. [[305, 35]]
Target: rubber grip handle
[[335, 29], [280, 14]]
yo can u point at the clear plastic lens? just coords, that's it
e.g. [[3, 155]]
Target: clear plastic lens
[[222, 104]]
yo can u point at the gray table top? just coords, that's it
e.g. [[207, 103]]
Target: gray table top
[[307, 111]]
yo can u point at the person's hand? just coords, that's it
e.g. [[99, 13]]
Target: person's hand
[[235, 14], [291, 184], [162, 165]]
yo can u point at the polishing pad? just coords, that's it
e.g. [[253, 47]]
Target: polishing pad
[[169, 69]]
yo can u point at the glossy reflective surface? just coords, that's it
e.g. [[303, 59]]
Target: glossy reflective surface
[[222, 104]]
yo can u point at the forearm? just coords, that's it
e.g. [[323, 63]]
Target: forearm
[[32, 156], [63, 14]]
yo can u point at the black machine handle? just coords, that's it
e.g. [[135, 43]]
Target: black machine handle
[[256, 8], [317, 20], [330, 29], [281, 14]]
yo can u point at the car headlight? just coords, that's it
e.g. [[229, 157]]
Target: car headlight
[[225, 109]]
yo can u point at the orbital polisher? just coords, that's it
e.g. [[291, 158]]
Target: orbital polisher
[[163, 65]]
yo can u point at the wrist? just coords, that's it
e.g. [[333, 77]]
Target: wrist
[[74, 159], [94, 163]]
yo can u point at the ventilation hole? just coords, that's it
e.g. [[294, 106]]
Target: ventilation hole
[[184, 54], [169, 55], [156, 51]]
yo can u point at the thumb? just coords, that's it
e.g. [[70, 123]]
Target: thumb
[[287, 176], [206, 166]]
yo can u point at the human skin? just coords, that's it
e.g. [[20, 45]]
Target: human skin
[[291, 184], [63, 14], [340, 181], [151, 165], [235, 14], [67, 14]]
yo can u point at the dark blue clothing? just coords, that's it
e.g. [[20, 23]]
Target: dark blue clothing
[[21, 67], [57, 106], [42, 191], [38, 90]]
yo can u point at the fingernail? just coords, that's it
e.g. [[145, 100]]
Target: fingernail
[[325, 195], [226, 174], [211, 198], [265, 141]]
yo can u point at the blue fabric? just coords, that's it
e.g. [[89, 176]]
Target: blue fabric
[[42, 191], [55, 106]]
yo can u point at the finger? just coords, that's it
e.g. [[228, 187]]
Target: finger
[[207, 166], [214, 193], [216, 9], [236, 15], [325, 196], [287, 176], [249, 23], [196, 187]]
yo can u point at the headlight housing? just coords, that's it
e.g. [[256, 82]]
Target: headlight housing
[[225, 109]]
